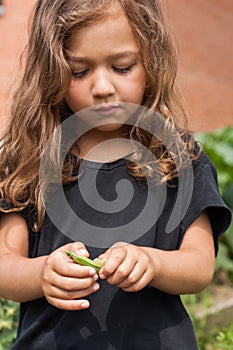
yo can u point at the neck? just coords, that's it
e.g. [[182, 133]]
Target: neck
[[100, 146]]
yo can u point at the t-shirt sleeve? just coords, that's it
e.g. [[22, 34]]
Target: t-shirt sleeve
[[205, 196], [5, 206]]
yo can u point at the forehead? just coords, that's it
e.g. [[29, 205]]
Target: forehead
[[112, 33]]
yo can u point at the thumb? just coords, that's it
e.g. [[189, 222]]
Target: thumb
[[78, 248], [104, 256]]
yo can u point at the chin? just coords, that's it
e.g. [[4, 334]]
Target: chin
[[109, 127]]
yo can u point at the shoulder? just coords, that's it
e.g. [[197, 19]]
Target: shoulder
[[194, 191], [206, 197]]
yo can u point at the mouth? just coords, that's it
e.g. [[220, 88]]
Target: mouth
[[107, 108]]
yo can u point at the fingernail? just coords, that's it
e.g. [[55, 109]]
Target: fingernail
[[82, 252], [92, 272], [85, 305], [102, 276], [96, 286], [96, 277]]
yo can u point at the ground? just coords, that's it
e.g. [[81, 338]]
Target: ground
[[204, 32]]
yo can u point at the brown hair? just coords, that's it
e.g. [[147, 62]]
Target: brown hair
[[39, 101]]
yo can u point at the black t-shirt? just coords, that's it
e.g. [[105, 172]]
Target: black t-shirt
[[148, 319]]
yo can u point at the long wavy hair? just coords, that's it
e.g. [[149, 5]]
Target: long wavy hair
[[39, 105]]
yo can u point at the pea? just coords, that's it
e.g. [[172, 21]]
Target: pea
[[82, 260]]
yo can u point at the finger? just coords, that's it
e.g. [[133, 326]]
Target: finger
[[138, 285], [114, 259], [62, 294], [70, 283], [104, 256], [123, 271], [77, 247], [133, 277], [119, 244], [69, 305], [65, 266]]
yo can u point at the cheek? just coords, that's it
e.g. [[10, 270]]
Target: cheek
[[73, 98], [135, 89]]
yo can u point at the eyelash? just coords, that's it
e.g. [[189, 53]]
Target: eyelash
[[79, 75], [125, 70]]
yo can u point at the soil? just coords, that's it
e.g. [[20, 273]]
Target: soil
[[204, 32]]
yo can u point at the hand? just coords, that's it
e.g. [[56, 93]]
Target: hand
[[127, 266], [64, 282]]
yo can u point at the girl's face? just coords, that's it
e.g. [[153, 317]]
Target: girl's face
[[105, 61]]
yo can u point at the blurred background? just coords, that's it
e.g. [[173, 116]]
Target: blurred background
[[204, 33]]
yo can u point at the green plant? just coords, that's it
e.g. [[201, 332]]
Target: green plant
[[225, 338], [191, 302], [218, 146], [9, 313], [208, 338]]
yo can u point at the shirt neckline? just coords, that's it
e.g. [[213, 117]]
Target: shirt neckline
[[86, 163]]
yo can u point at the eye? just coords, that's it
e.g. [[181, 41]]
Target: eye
[[78, 75], [123, 70]]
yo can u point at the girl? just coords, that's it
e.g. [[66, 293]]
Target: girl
[[102, 60]]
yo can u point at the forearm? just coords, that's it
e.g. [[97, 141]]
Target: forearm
[[21, 277], [181, 272]]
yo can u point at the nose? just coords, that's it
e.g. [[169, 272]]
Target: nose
[[103, 85]]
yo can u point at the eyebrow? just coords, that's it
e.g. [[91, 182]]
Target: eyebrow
[[117, 55]]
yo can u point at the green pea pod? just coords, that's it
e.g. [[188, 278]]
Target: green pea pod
[[82, 260]]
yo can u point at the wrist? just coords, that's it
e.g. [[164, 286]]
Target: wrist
[[155, 264]]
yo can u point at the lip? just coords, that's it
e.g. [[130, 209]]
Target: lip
[[107, 109]]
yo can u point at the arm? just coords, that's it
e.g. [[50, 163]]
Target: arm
[[20, 277], [55, 276], [187, 270]]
